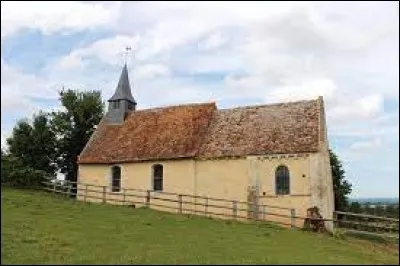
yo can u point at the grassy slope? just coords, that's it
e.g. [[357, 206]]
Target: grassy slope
[[43, 229]]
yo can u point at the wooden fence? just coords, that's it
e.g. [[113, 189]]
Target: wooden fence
[[179, 203], [367, 224], [216, 207]]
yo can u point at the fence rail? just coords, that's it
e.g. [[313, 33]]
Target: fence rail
[[367, 224], [201, 205], [368, 216], [209, 206]]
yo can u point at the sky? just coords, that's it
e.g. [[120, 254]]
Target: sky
[[233, 53]]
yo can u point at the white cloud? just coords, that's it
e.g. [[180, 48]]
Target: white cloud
[[309, 89], [366, 146], [149, 71], [371, 129], [272, 51], [19, 91], [4, 136], [16, 87], [287, 51], [50, 17], [365, 107], [214, 41], [110, 51], [368, 149], [285, 44]]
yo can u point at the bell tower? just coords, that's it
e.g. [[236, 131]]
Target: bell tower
[[122, 102]]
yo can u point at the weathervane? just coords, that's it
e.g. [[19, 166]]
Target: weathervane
[[127, 49]]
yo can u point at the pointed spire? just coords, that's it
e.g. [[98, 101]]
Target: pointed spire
[[123, 91]]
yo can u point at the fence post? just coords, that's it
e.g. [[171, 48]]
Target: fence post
[[65, 187], [54, 188], [104, 194], [257, 206], [335, 221], [69, 190], [148, 198], [86, 190], [123, 199], [180, 203], [263, 212], [206, 207], [293, 216], [234, 203]]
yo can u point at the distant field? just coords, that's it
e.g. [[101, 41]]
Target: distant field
[[376, 200], [39, 228]]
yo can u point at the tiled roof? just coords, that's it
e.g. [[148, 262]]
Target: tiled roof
[[200, 130], [268, 129], [160, 133]]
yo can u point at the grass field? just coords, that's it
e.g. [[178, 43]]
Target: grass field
[[39, 228]]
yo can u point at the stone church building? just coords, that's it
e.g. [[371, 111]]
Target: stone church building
[[278, 151]]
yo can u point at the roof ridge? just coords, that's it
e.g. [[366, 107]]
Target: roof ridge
[[174, 106], [269, 104]]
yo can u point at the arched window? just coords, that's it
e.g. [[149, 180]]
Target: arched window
[[116, 179], [157, 177], [282, 180]]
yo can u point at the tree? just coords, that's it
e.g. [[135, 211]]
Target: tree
[[74, 125], [355, 207], [33, 145], [379, 210], [391, 211], [369, 208], [396, 211], [15, 173], [4, 167], [341, 187]]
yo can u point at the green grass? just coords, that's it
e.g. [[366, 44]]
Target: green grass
[[381, 238], [39, 228]]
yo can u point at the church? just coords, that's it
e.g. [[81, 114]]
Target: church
[[278, 151]]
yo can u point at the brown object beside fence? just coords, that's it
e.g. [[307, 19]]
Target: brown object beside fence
[[313, 221]]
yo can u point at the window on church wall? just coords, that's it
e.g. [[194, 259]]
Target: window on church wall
[[115, 179], [115, 104], [158, 177], [282, 180]]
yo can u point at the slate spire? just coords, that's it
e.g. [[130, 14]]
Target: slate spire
[[122, 102], [123, 91]]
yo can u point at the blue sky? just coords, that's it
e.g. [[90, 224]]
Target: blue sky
[[238, 53]]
